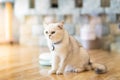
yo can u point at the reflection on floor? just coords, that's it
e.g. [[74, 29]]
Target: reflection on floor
[[21, 63]]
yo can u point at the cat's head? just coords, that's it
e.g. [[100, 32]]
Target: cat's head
[[54, 31]]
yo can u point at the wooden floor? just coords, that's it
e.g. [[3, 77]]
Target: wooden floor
[[21, 63]]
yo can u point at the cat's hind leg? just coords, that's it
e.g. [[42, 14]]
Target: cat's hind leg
[[78, 70], [69, 68], [73, 69]]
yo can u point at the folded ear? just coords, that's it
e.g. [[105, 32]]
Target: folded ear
[[61, 25], [62, 22]]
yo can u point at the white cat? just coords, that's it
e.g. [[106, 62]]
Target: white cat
[[67, 54]]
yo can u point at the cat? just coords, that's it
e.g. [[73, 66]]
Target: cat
[[67, 53]]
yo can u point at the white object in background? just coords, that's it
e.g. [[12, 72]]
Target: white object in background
[[36, 30], [45, 59], [87, 33]]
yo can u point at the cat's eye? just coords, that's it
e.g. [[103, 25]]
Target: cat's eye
[[46, 32], [52, 32]]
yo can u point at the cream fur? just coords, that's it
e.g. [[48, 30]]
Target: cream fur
[[67, 55]]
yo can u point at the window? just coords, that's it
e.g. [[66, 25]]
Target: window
[[2, 5], [32, 3], [119, 26], [103, 17], [68, 18], [43, 17], [78, 3], [48, 18], [105, 3], [54, 3], [118, 17]]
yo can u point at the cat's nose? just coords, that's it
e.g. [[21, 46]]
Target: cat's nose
[[49, 36]]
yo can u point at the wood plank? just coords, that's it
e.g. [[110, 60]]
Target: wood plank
[[21, 63]]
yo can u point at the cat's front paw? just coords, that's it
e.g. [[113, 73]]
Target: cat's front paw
[[51, 71], [59, 72]]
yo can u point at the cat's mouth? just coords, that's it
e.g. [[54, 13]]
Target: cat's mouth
[[50, 37]]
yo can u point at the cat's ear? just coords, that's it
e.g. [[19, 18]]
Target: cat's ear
[[62, 22], [61, 25]]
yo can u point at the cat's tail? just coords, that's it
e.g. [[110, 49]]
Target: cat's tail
[[98, 68]]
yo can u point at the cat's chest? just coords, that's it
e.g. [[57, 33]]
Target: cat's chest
[[59, 48]]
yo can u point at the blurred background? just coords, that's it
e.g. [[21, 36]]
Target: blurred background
[[23, 47], [95, 23]]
